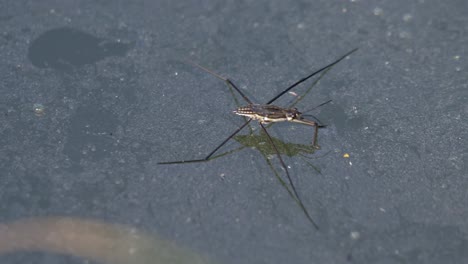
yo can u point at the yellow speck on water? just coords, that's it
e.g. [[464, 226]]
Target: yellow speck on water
[[346, 155]]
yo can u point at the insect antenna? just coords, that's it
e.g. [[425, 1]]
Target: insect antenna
[[319, 123], [315, 107], [314, 117]]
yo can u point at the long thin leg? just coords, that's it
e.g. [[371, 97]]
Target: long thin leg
[[229, 82], [289, 178], [207, 158], [314, 73], [314, 144]]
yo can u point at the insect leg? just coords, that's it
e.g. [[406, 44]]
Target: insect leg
[[207, 158], [229, 82], [314, 142], [307, 77]]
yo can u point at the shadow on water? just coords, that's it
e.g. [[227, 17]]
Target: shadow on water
[[261, 143], [66, 48]]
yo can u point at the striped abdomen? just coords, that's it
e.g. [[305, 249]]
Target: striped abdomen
[[267, 113]]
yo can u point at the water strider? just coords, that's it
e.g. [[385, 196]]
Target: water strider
[[265, 114]]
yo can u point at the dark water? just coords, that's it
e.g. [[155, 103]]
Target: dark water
[[95, 95]]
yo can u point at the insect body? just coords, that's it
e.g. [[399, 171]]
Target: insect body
[[266, 114]]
